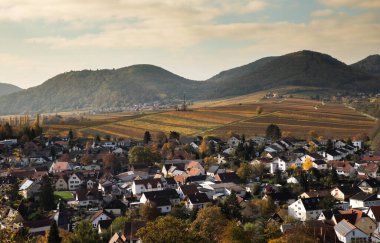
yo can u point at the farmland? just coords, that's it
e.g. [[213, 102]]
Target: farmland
[[294, 116]]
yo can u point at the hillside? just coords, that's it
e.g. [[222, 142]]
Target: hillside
[[370, 64], [97, 89], [8, 89], [147, 83], [304, 68]]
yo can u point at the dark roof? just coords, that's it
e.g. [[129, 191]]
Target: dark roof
[[349, 190], [168, 193], [333, 153], [189, 189], [171, 181], [198, 198], [229, 177], [349, 217], [104, 224], [116, 204], [311, 203], [363, 196], [282, 196], [371, 182], [196, 178], [37, 223], [316, 156], [160, 201], [376, 212], [152, 181], [319, 162]]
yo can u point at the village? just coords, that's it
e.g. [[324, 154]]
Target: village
[[268, 187]]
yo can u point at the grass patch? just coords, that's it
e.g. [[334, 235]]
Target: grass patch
[[64, 195]]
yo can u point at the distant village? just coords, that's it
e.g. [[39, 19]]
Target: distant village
[[267, 188]]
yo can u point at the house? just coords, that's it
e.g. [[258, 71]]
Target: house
[[61, 183], [99, 216], [369, 185], [374, 213], [347, 232], [74, 181], [37, 227], [343, 193], [161, 203], [128, 235], [215, 169], [103, 225], [186, 190], [233, 142], [363, 199], [333, 155], [29, 188], [281, 197], [85, 197], [319, 193], [320, 164], [147, 185], [292, 180], [197, 200], [227, 177], [342, 168], [170, 194], [194, 168], [222, 189], [279, 163], [58, 167], [305, 209]]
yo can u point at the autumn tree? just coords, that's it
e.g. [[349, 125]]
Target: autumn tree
[[264, 206], [230, 207], [168, 150], [203, 148], [312, 134], [139, 154], [307, 164], [259, 110], [86, 159], [84, 232], [245, 171], [273, 132], [161, 137], [210, 224], [110, 161], [235, 233], [174, 135], [299, 234], [166, 229], [149, 211]]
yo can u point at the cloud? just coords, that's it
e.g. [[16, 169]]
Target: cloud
[[322, 13], [369, 4]]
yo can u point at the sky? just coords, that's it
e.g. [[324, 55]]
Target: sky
[[192, 38]]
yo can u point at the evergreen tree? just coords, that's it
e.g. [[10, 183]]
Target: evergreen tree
[[84, 232], [329, 145], [54, 233], [147, 137], [273, 132], [46, 194], [70, 135]]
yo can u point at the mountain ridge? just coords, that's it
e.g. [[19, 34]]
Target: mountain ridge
[[146, 83], [6, 89]]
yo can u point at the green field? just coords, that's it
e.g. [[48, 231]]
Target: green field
[[64, 195]]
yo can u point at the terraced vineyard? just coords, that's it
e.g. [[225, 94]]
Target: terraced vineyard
[[294, 116]]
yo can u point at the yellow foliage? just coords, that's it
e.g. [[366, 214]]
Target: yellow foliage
[[307, 164]]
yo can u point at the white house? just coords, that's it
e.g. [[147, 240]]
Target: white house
[[197, 200], [363, 199], [347, 233], [233, 142], [74, 181], [147, 185], [99, 216], [305, 209]]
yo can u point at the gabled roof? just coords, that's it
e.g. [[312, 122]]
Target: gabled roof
[[311, 203], [100, 212], [344, 227], [189, 189], [376, 212], [167, 193], [153, 182], [363, 196], [319, 162], [371, 182], [160, 201], [228, 177], [198, 198]]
